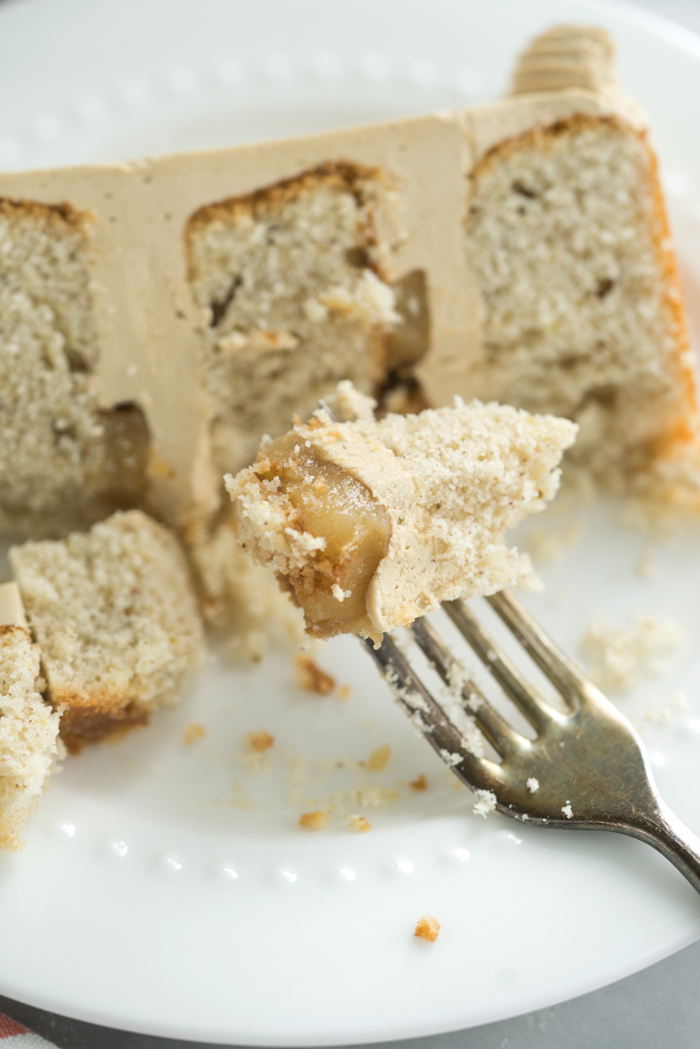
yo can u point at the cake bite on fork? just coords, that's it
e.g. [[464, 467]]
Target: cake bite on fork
[[400, 516], [373, 523]]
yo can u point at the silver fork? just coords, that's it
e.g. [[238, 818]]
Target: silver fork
[[592, 769]]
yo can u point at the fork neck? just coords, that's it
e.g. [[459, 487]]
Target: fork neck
[[665, 833]]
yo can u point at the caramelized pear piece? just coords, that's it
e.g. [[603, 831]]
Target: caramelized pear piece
[[328, 503]]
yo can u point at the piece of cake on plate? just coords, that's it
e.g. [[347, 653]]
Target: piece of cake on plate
[[64, 462], [578, 300], [291, 285], [153, 329], [116, 621], [28, 724], [371, 524]]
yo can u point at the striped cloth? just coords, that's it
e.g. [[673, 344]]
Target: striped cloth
[[15, 1036]]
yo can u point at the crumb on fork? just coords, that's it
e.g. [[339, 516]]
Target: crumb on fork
[[427, 928], [486, 802], [313, 820]]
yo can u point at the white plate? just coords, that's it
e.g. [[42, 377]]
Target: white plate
[[168, 889]]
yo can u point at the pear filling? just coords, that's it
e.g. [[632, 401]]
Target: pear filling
[[328, 502]]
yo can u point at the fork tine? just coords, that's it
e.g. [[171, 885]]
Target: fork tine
[[495, 728], [427, 715], [555, 664], [536, 710]]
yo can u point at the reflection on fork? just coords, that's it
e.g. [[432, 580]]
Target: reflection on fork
[[587, 768]]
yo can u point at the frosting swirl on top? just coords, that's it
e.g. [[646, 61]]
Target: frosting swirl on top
[[567, 57]]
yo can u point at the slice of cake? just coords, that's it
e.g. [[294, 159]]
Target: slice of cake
[[116, 620], [180, 308], [293, 298], [28, 725], [578, 297], [373, 523], [63, 461]]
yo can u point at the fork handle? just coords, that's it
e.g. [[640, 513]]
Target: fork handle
[[665, 833]]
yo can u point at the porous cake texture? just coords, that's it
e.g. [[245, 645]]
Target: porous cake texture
[[116, 620], [240, 601], [63, 462], [450, 482], [293, 298], [28, 734], [578, 295]]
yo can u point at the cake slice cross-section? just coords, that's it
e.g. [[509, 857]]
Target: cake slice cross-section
[[371, 524], [116, 619], [577, 292], [28, 725], [290, 283], [64, 461]]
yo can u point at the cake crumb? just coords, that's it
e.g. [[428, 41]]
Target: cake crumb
[[375, 797], [379, 758], [258, 742], [533, 784], [545, 546], [668, 709], [427, 928], [419, 783], [620, 657], [311, 678], [450, 759], [194, 732], [486, 803], [314, 820], [344, 691], [359, 824], [567, 810]]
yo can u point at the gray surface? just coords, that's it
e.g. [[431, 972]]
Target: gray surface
[[657, 1007]]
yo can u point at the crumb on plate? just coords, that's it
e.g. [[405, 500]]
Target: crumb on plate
[[313, 820], [359, 824], [193, 732], [311, 678], [419, 783], [427, 928], [619, 658], [258, 742], [379, 758]]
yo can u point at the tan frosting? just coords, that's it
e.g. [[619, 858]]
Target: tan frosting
[[147, 321], [11, 607], [564, 57]]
